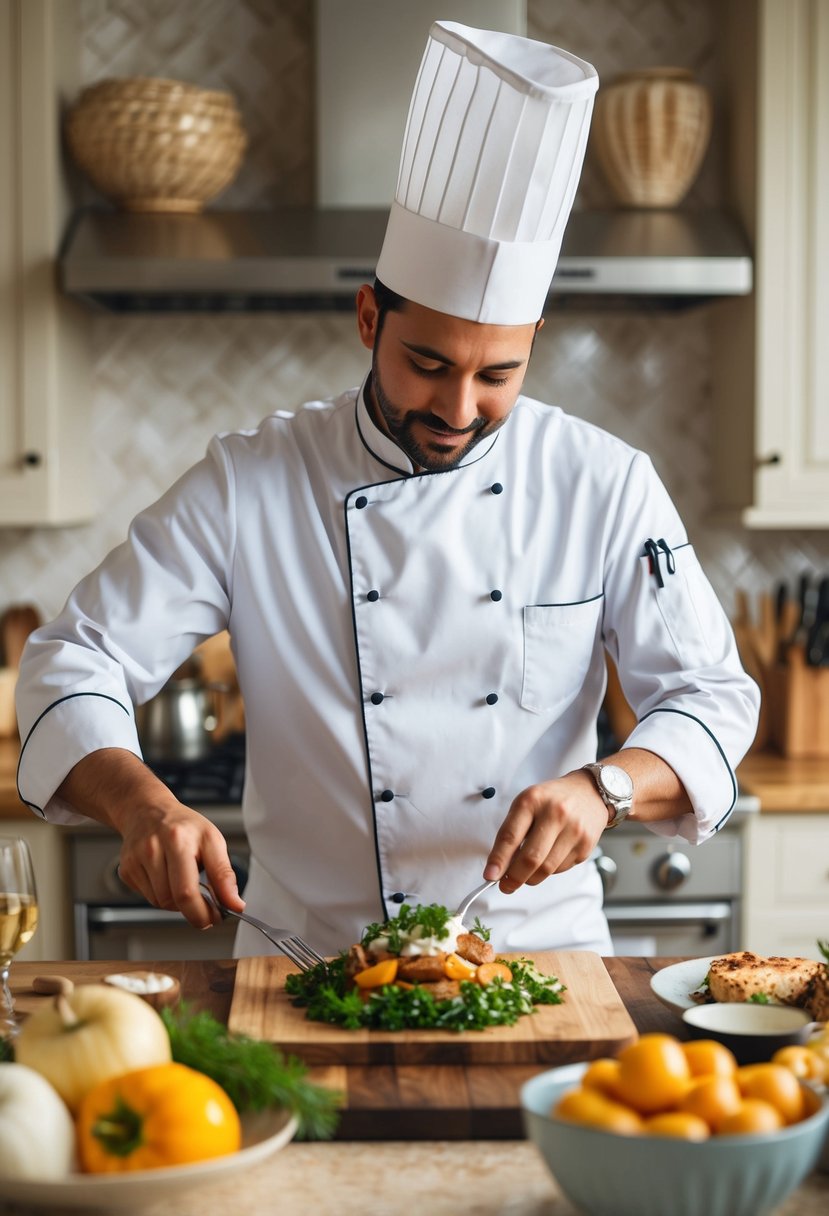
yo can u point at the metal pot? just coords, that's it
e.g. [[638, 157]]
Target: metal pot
[[177, 723]]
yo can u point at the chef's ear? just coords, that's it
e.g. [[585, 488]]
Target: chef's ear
[[367, 316]]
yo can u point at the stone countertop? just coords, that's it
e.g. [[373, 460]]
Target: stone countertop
[[443, 1178]]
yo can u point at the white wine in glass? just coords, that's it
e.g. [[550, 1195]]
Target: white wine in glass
[[18, 917]]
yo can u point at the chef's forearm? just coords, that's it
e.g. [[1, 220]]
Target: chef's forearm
[[107, 786], [658, 792]]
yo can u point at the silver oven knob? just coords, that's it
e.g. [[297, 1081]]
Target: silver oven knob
[[671, 871], [607, 870]]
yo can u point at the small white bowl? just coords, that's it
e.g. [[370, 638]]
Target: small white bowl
[[611, 1175], [753, 1033]]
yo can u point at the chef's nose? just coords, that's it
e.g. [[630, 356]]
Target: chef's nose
[[457, 405]]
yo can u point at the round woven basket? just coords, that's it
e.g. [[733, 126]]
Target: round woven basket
[[650, 133], [156, 145]]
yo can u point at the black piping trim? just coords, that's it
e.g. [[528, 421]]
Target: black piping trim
[[591, 599], [69, 697], [363, 702], [684, 713], [404, 472]]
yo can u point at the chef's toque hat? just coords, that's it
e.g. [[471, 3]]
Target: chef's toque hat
[[492, 154]]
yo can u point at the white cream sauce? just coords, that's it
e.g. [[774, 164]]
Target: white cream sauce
[[414, 943]]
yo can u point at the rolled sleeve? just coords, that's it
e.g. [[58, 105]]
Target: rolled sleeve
[[72, 728], [678, 663], [125, 628]]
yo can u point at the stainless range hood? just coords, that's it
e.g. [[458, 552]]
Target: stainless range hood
[[256, 261]]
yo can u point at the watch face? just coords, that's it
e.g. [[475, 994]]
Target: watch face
[[616, 781]]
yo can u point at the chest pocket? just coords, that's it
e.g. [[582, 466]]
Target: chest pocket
[[560, 641], [686, 606]]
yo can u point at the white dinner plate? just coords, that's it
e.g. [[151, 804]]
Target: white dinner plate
[[673, 985], [264, 1133]]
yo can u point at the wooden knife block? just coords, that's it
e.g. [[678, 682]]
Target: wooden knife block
[[799, 707]]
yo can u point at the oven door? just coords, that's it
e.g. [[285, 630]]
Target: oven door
[[677, 928], [143, 933]]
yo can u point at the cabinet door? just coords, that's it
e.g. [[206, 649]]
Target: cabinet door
[[44, 382], [793, 265], [771, 355], [786, 883]]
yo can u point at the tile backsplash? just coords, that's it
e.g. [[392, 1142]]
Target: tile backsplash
[[163, 385]]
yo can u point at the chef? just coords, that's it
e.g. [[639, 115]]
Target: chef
[[421, 579]]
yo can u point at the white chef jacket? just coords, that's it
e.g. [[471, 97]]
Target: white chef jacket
[[413, 649]]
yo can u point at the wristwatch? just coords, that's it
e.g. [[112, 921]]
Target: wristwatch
[[616, 789]]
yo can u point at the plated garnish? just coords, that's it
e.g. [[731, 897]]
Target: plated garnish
[[423, 970]]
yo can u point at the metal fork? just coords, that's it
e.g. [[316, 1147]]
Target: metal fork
[[463, 906], [294, 947]]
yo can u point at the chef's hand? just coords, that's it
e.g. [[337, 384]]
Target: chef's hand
[[165, 843], [162, 853], [549, 827]]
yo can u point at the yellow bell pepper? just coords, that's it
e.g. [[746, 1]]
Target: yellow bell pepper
[[165, 1115], [457, 968], [378, 975]]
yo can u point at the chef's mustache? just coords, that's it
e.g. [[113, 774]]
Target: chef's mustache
[[437, 424]]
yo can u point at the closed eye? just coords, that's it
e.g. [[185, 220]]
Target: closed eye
[[440, 369], [427, 371]]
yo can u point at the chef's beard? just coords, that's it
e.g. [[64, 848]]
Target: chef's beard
[[400, 421]]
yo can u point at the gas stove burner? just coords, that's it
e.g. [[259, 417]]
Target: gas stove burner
[[217, 779]]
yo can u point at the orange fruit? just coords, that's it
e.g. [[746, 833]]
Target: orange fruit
[[752, 1117], [678, 1124], [603, 1075], [707, 1057], [775, 1084], [653, 1073], [711, 1098], [592, 1109], [806, 1064]]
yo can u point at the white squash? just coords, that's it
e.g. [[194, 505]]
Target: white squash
[[37, 1134], [88, 1035]]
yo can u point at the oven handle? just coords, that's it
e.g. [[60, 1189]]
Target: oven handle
[[676, 913], [132, 916]]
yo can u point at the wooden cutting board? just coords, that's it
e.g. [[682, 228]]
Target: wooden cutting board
[[591, 1022]]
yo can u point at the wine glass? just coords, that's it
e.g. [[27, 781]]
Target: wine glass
[[18, 917]]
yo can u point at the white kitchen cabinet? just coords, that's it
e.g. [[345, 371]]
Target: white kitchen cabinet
[[44, 380], [771, 371], [786, 877]]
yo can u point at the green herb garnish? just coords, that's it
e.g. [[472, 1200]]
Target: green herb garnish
[[431, 919], [823, 947], [323, 993], [759, 998], [254, 1074], [481, 930]]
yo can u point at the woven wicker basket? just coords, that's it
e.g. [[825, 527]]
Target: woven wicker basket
[[156, 145], [650, 133]]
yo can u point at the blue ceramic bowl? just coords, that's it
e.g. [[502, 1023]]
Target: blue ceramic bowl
[[605, 1174]]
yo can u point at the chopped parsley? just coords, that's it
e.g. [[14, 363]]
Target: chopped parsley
[[323, 993], [432, 920], [759, 998]]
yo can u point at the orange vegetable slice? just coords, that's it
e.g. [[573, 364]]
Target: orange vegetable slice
[[378, 975], [457, 968], [487, 972]]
